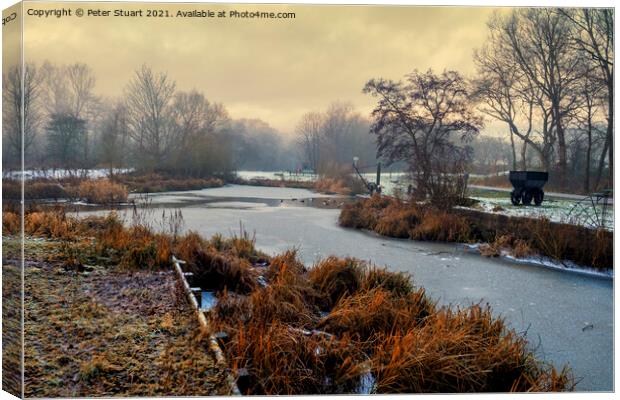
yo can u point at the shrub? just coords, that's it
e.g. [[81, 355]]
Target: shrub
[[102, 191], [44, 190]]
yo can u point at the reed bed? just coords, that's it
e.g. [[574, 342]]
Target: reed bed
[[342, 326], [522, 237]]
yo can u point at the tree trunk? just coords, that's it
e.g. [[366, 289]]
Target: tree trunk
[[514, 152], [524, 156], [561, 145], [586, 183], [610, 134], [601, 161]]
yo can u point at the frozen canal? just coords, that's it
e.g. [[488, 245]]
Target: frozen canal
[[568, 317]]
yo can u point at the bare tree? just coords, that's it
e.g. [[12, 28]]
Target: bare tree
[[594, 35], [337, 131], [66, 135], [425, 122], [114, 138], [81, 83], [197, 124], [21, 124], [309, 131], [540, 41], [69, 89], [150, 119], [504, 95]]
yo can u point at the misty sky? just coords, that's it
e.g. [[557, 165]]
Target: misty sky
[[275, 70]]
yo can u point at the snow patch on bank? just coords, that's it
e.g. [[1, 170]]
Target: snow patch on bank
[[540, 261], [555, 210]]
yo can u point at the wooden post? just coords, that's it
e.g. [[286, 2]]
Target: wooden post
[[204, 326]]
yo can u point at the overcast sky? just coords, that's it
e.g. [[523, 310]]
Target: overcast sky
[[275, 70]]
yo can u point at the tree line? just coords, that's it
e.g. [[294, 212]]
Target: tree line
[[152, 126], [329, 140], [546, 74]]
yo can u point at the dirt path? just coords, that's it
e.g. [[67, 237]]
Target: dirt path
[[101, 332]]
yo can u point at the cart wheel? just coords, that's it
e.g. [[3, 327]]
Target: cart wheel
[[515, 198], [527, 197], [539, 195]]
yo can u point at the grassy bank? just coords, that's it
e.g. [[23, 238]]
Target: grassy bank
[[151, 183], [287, 329], [97, 330], [521, 236], [326, 185], [101, 190]]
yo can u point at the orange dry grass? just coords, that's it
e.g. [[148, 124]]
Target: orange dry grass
[[285, 266], [51, 224], [188, 245], [364, 214], [335, 277], [459, 352], [11, 223], [161, 183], [442, 226], [281, 302], [398, 283], [332, 186], [375, 316], [281, 360], [217, 271], [375, 311], [397, 221], [102, 191]]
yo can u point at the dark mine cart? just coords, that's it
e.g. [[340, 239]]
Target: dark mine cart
[[527, 187]]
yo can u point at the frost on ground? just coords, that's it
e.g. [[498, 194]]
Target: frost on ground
[[96, 331], [563, 211]]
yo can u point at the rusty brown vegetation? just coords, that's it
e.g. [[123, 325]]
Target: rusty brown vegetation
[[96, 330], [288, 330], [275, 183], [153, 182], [103, 190], [288, 337], [519, 236]]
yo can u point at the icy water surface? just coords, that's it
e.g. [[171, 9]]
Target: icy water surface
[[568, 317]]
